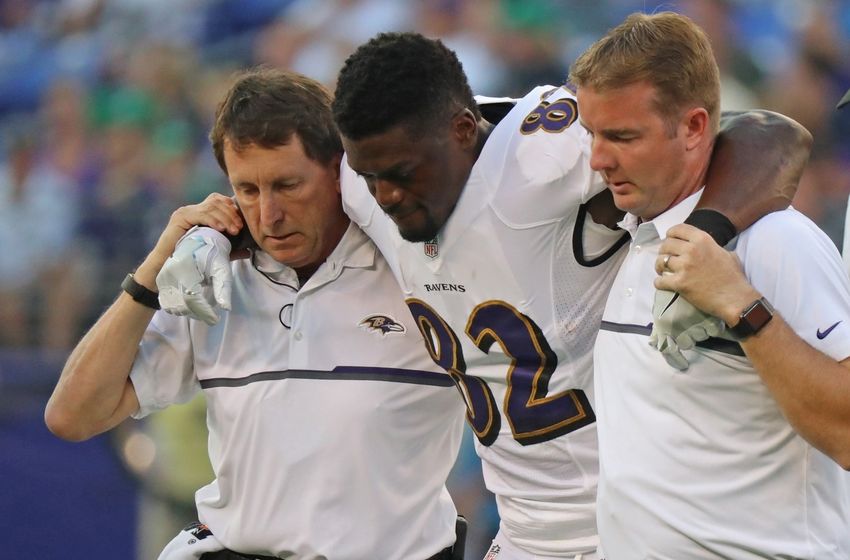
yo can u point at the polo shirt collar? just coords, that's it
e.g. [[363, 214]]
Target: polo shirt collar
[[663, 222], [354, 250]]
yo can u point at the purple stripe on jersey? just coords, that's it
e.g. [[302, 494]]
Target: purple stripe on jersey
[[352, 373]]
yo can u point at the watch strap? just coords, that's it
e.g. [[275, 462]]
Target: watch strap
[[139, 293]]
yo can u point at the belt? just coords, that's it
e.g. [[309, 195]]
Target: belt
[[445, 554], [230, 555]]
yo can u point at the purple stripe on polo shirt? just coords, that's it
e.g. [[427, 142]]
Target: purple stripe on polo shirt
[[352, 373]]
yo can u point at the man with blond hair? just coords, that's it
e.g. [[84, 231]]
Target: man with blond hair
[[736, 457]]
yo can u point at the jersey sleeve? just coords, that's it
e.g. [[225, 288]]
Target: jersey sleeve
[[540, 160], [364, 211], [799, 270], [163, 372], [357, 202]]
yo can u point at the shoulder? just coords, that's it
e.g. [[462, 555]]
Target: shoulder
[[786, 249], [537, 158], [783, 232]]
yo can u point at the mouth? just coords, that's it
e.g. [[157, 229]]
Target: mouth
[[618, 186], [280, 238], [400, 214]]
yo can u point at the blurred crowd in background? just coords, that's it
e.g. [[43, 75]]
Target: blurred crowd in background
[[105, 107]]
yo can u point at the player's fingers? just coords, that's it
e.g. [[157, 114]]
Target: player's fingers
[[685, 341], [200, 308], [714, 327], [654, 337], [675, 358], [171, 300], [221, 290]]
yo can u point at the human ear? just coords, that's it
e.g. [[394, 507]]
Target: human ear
[[697, 127], [465, 127]]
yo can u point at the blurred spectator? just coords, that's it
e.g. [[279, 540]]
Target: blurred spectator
[[805, 89], [529, 45], [117, 193], [38, 214], [739, 76], [467, 27], [315, 37]]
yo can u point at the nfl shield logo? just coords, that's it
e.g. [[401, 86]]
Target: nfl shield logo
[[431, 248]]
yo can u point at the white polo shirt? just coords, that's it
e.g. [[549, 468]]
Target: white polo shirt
[[701, 464], [331, 430]]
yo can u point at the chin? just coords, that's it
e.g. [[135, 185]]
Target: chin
[[627, 204], [418, 235], [426, 230]]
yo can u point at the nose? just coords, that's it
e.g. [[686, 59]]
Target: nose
[[601, 158], [386, 193], [271, 212]]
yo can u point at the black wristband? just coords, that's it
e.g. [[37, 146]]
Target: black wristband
[[718, 226], [139, 293]]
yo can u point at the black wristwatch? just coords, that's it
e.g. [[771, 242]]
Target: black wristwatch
[[753, 319], [139, 293]]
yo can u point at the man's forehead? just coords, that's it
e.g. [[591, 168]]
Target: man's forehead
[[384, 150]]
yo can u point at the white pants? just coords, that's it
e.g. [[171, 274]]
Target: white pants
[[503, 549]]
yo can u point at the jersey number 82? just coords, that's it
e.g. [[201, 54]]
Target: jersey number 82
[[534, 415]]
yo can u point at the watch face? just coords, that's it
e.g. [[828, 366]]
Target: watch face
[[753, 319], [758, 316]]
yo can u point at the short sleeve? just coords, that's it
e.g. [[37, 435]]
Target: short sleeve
[[163, 372], [798, 268]]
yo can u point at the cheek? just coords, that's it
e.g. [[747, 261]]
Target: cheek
[[251, 214]]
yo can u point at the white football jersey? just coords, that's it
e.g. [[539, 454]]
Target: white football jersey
[[331, 430], [511, 309]]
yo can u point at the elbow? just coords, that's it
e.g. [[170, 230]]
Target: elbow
[[64, 425], [797, 136]]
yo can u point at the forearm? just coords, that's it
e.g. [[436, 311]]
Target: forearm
[[94, 392], [811, 389], [758, 159]]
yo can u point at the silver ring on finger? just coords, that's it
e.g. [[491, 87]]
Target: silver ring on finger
[[666, 260]]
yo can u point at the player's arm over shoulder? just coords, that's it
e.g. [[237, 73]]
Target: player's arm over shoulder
[[756, 165], [539, 159], [356, 200]]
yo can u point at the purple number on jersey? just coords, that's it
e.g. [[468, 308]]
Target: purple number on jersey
[[443, 345], [551, 117], [533, 415]]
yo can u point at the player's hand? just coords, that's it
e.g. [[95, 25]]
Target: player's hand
[[677, 325], [197, 277]]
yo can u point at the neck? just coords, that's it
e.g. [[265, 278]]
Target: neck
[[335, 234], [692, 180]]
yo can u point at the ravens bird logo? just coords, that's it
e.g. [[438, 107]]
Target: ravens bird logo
[[383, 324]]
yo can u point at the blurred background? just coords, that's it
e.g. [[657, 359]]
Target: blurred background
[[104, 110]]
